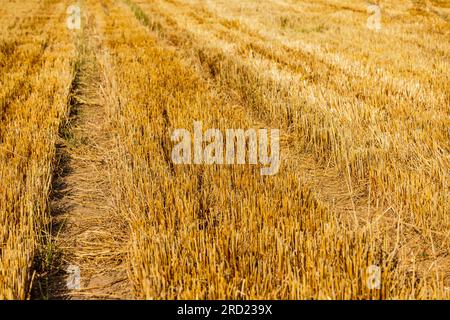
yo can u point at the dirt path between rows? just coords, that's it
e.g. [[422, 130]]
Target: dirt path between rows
[[88, 234]]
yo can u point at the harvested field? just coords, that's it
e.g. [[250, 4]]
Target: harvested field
[[348, 199]]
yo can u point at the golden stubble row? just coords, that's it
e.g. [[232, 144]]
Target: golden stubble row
[[381, 129], [365, 126], [36, 75], [217, 232]]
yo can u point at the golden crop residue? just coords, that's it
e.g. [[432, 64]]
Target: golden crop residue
[[359, 206], [35, 69], [363, 154]]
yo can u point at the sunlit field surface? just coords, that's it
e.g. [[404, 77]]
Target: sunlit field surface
[[358, 208]]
